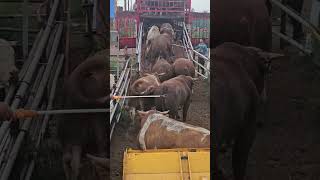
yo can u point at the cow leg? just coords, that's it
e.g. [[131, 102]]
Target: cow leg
[[185, 110], [263, 106], [241, 149], [100, 134], [75, 162], [66, 159], [173, 113], [141, 105]]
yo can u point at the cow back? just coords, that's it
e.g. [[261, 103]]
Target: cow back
[[162, 132]]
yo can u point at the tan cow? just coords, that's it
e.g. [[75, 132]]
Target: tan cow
[[161, 132]]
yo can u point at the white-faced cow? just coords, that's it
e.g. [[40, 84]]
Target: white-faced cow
[[161, 132]]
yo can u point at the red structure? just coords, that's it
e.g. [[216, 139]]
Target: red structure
[[127, 26], [152, 11]]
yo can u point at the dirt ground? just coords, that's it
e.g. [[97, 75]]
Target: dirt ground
[[125, 135]]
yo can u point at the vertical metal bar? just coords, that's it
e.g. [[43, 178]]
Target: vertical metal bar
[[25, 26], [67, 46]]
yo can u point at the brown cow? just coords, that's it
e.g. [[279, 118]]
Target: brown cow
[[246, 22], [145, 86], [160, 132], [160, 46], [239, 73], [184, 66], [177, 93], [86, 87], [164, 69], [178, 51]]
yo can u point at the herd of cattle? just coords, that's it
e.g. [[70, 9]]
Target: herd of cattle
[[168, 74]]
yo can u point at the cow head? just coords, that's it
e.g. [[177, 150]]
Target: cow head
[[145, 85], [86, 78], [265, 57]]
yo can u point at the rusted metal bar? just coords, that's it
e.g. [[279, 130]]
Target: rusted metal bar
[[35, 104], [27, 79]]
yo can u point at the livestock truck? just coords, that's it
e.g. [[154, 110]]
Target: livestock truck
[[150, 12]]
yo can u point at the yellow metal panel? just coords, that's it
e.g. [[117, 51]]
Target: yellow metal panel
[[166, 164]]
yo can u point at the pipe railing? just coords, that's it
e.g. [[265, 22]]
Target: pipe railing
[[35, 104], [188, 48], [31, 70], [122, 89]]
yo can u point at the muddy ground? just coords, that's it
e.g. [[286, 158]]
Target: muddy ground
[[125, 135]]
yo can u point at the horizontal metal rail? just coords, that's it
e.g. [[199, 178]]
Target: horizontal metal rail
[[126, 97], [74, 111], [293, 42]]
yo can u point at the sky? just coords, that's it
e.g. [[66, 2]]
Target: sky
[[197, 5]]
